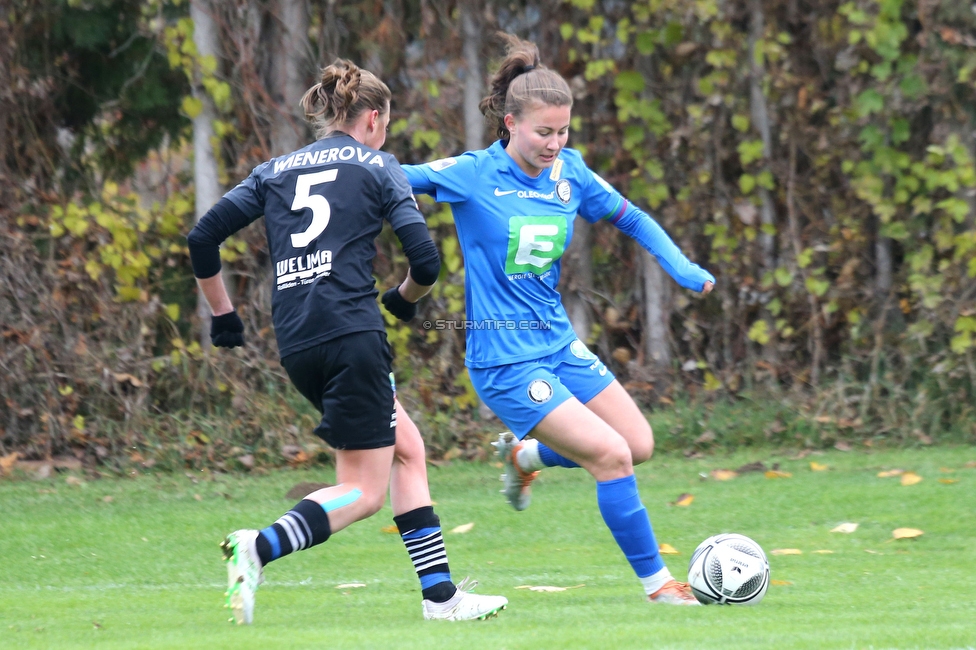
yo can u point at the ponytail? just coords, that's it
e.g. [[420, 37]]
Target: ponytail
[[521, 80]]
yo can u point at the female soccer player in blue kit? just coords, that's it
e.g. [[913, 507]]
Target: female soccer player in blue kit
[[323, 206], [514, 204]]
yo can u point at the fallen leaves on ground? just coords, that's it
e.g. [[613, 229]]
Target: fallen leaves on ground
[[891, 472], [948, 481], [817, 467], [723, 474], [780, 583], [867, 550], [667, 549], [776, 473], [787, 551], [970, 464], [946, 470], [463, 528], [910, 478], [74, 480], [350, 585], [824, 551], [906, 533], [844, 528], [546, 588], [390, 529], [684, 500]]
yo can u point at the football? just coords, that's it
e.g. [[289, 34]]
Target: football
[[729, 569]]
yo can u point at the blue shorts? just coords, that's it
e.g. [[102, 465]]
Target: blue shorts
[[521, 394]]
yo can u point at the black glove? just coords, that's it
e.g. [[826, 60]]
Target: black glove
[[397, 305], [227, 330]]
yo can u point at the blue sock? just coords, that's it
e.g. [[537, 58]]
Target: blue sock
[[550, 458], [626, 518]]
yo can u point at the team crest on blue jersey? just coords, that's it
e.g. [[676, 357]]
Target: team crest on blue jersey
[[540, 391], [564, 191], [580, 351]]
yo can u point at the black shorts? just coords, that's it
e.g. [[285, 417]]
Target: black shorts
[[349, 380]]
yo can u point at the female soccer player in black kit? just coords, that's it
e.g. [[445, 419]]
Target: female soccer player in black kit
[[323, 207]]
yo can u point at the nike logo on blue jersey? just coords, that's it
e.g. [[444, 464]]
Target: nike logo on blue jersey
[[499, 192]]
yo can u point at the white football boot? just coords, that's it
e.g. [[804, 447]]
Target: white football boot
[[465, 606], [518, 482], [674, 593], [244, 574]]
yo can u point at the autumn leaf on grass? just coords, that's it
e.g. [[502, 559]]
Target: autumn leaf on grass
[[890, 473], [946, 470], [817, 467], [787, 551], [824, 551], [546, 588], [775, 473], [906, 533], [350, 585], [971, 464], [463, 528], [684, 500], [910, 478], [723, 474], [667, 549], [780, 583], [390, 529], [948, 481], [844, 528]]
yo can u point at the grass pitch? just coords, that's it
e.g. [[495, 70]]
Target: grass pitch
[[135, 563]]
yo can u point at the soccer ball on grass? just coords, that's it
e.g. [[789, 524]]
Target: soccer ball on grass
[[729, 569]]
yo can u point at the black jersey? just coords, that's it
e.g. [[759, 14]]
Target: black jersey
[[323, 207]]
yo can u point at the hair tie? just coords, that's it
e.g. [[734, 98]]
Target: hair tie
[[528, 68]]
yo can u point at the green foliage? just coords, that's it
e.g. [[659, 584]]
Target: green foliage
[[107, 80], [869, 105]]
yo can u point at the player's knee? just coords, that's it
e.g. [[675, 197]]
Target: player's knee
[[409, 448], [373, 502], [615, 457], [642, 445]]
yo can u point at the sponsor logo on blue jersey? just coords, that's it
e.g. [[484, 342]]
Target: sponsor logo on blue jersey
[[534, 243]]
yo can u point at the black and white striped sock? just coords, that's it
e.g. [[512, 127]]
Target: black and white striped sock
[[420, 530], [304, 526]]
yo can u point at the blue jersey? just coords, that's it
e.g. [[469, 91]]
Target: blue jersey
[[513, 230]]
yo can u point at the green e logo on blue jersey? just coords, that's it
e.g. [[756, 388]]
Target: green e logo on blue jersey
[[534, 243]]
